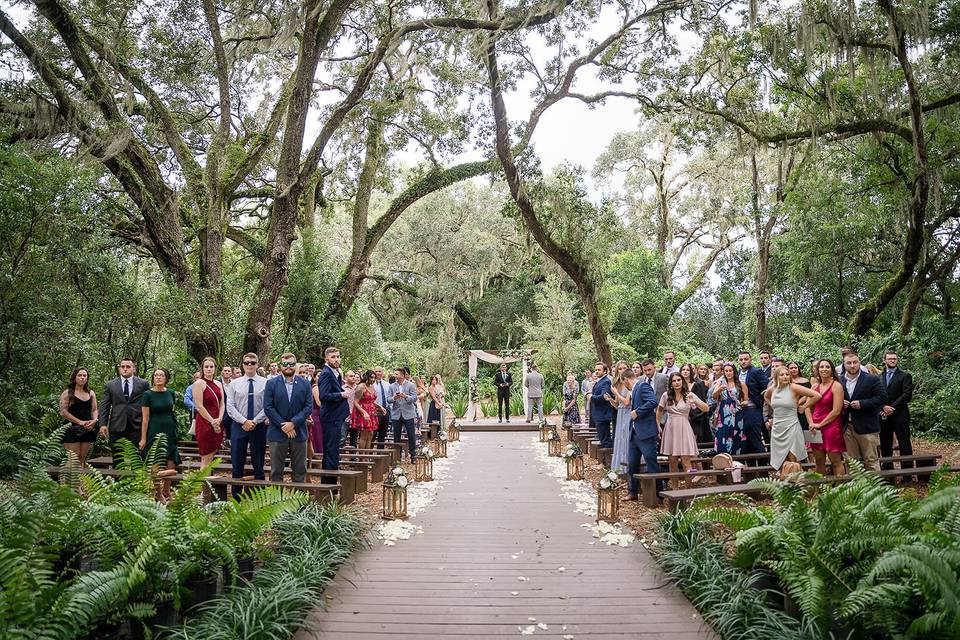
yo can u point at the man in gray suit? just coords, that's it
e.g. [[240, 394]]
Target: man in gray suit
[[534, 384], [402, 396], [120, 406]]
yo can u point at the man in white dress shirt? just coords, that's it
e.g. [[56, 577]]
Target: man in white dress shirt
[[245, 407]]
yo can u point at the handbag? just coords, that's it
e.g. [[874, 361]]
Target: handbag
[[75, 430]]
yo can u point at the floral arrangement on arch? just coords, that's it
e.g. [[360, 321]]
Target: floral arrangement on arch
[[397, 478], [474, 395], [610, 480], [572, 450], [426, 451]]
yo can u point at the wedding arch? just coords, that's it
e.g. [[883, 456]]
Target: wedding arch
[[497, 357]]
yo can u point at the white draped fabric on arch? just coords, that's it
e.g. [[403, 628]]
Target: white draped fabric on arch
[[495, 357]]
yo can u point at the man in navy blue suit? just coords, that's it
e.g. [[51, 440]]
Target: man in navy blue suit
[[334, 406], [287, 402], [644, 433], [600, 407], [751, 409]]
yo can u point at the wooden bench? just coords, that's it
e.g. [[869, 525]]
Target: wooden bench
[[392, 450], [648, 481], [681, 497], [351, 482], [320, 492]]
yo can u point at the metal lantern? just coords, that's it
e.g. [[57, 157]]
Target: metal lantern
[[608, 504], [394, 502], [545, 430], [575, 468], [440, 446], [424, 469]]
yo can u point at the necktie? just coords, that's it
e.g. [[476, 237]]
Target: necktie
[[126, 388], [383, 395], [250, 399], [889, 376]]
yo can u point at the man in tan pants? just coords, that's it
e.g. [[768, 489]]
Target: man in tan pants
[[863, 399]]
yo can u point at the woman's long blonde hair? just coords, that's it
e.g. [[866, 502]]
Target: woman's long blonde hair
[[776, 376]]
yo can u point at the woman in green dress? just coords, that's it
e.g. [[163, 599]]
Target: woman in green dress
[[158, 418]]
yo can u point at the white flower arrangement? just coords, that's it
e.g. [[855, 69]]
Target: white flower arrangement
[[397, 478], [402, 481], [426, 451], [572, 450], [442, 436], [609, 480], [553, 435]]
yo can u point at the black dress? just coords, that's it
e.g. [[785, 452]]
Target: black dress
[[699, 420], [81, 410], [802, 415]]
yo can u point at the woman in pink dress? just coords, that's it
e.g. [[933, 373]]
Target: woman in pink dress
[[679, 443], [315, 432], [363, 412], [827, 419]]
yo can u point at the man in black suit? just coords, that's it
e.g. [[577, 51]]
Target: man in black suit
[[502, 380], [751, 408], [766, 363], [895, 414], [863, 398], [121, 406]]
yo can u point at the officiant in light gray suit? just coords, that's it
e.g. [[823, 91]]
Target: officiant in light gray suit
[[534, 383]]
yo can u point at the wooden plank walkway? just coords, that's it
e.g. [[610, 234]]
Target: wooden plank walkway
[[456, 579]]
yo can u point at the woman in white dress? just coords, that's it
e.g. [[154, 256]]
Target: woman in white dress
[[786, 435]]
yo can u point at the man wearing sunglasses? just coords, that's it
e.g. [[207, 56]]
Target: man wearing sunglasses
[[333, 406], [120, 415], [287, 402], [245, 408]]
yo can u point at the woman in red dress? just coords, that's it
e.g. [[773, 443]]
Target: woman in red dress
[[363, 412], [827, 419], [209, 412]]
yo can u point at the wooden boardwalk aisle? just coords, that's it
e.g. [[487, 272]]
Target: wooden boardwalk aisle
[[455, 579]]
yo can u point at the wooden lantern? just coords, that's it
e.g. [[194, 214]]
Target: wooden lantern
[[440, 446], [608, 504], [553, 446], [453, 433], [424, 469], [394, 502], [545, 430], [568, 427], [575, 468]]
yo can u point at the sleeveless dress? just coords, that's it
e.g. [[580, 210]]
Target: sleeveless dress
[[570, 395], [621, 435], [678, 438], [209, 441], [162, 420], [369, 404], [433, 411], [729, 430], [81, 410], [316, 431], [832, 432], [786, 436]]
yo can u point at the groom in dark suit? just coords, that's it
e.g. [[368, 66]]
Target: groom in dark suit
[[120, 406], [502, 381], [334, 407], [287, 402]]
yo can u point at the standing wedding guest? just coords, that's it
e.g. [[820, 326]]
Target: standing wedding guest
[[705, 374], [208, 398], [502, 381], [364, 410], [601, 405], [120, 414], [274, 370], [188, 400], [728, 393], [350, 382], [435, 392], [571, 394], [314, 429], [287, 401], [78, 406], [863, 398], [644, 433], [669, 363], [245, 407], [421, 398], [157, 418], [895, 414], [751, 411], [637, 367], [623, 393], [698, 419], [786, 436], [658, 381], [826, 420], [586, 389], [403, 399], [718, 368], [679, 442], [226, 375], [843, 354], [803, 408], [766, 363], [334, 406], [534, 382], [383, 417]]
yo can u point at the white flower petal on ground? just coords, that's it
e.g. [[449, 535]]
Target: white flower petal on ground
[[514, 593], [528, 631], [531, 619], [521, 578], [541, 626]]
